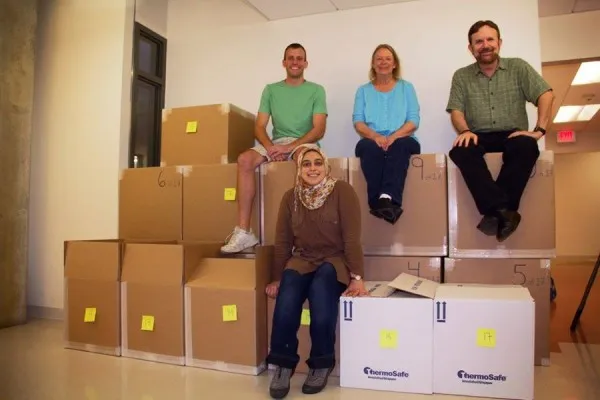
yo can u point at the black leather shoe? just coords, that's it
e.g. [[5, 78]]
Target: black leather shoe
[[383, 208], [393, 214], [508, 221], [488, 225]]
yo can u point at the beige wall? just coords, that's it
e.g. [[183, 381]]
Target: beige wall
[[577, 204]]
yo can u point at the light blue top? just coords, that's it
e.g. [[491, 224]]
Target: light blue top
[[386, 112]]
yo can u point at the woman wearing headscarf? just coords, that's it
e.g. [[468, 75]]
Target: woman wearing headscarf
[[386, 116], [318, 256]]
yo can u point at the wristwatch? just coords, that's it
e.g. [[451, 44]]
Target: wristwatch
[[355, 277], [539, 129]]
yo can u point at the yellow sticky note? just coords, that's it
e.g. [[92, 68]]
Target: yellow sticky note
[[230, 194], [388, 339], [230, 313], [486, 337], [90, 315], [147, 323], [305, 317], [191, 127]]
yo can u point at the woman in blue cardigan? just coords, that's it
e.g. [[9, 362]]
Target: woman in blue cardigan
[[386, 115]]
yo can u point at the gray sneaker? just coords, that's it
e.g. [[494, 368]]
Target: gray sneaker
[[316, 380], [280, 383]]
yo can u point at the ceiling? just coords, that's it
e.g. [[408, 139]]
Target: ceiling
[[549, 8], [279, 9], [560, 76]]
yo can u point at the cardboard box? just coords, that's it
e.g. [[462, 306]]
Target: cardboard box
[[530, 273], [304, 342], [226, 314], [92, 297], [152, 298], [278, 178], [484, 341], [393, 332], [210, 208], [535, 236], [207, 134], [150, 204], [422, 230]]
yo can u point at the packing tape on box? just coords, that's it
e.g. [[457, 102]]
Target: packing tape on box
[[165, 114], [354, 164], [163, 164], [435, 263], [440, 160], [545, 264], [449, 264], [184, 170], [124, 335], [187, 316], [224, 159], [226, 108]]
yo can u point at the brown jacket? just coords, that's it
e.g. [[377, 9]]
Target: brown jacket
[[332, 233]]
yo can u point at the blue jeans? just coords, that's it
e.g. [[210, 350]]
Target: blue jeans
[[323, 291], [385, 171]]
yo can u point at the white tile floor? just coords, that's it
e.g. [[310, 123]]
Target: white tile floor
[[35, 366]]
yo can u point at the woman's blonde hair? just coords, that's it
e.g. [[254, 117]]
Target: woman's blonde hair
[[395, 72]]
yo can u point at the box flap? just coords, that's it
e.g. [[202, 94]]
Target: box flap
[[93, 260], [379, 289], [415, 285], [153, 263], [483, 292], [225, 273]]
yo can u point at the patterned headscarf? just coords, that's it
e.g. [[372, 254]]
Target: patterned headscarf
[[312, 197]]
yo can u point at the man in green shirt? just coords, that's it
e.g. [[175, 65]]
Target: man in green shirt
[[298, 111], [487, 109]]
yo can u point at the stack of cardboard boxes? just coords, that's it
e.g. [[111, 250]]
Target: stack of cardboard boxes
[[162, 291]]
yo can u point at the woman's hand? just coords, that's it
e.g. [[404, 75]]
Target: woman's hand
[[356, 289], [381, 141], [272, 289]]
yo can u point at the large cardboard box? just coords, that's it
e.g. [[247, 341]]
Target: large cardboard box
[[377, 268], [278, 178], [152, 298], [210, 208], [207, 134], [484, 341], [394, 331], [530, 273], [150, 204], [92, 297], [535, 236], [422, 230], [226, 313]]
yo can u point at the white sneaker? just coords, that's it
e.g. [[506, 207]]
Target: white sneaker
[[239, 241]]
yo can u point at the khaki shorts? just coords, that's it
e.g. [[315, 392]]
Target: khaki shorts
[[260, 149]]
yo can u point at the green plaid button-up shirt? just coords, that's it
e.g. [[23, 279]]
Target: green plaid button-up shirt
[[497, 103]]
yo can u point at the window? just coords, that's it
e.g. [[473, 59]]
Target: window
[[148, 97]]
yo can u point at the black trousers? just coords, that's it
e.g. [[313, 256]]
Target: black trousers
[[385, 171], [519, 155]]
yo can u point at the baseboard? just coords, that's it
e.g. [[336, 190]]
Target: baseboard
[[574, 259], [38, 312]]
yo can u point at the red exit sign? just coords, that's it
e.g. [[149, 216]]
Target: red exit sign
[[565, 136]]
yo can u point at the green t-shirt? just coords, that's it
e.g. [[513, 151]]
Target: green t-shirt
[[292, 107]]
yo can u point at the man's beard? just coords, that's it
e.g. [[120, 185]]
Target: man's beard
[[490, 58]]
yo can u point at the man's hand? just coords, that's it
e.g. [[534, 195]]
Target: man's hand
[[381, 141], [535, 135], [356, 289], [464, 139], [272, 289], [279, 152]]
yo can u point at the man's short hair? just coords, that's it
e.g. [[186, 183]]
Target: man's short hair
[[294, 46], [480, 24]]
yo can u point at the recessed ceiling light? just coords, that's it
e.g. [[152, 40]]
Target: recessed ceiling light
[[576, 113], [588, 72]]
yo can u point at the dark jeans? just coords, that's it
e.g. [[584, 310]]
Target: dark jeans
[[385, 171], [323, 291], [519, 155]]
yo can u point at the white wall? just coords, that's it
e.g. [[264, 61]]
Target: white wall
[[153, 15], [80, 132], [224, 52], [570, 37]]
